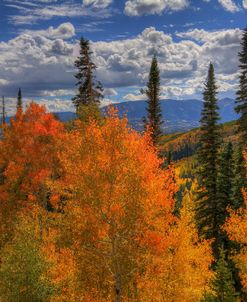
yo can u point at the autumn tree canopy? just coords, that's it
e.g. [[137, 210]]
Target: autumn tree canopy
[[92, 209]]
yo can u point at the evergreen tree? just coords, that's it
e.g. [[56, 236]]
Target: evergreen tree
[[224, 189], [206, 208], [241, 102], [239, 180], [19, 100], [3, 111], [154, 116], [89, 90], [223, 284], [224, 199]]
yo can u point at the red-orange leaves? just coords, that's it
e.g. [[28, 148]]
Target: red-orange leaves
[[28, 157], [119, 202], [114, 234]]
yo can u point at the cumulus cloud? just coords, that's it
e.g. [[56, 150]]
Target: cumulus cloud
[[52, 105], [127, 62], [151, 7], [134, 97], [36, 62], [63, 31], [230, 36], [41, 62], [229, 5]]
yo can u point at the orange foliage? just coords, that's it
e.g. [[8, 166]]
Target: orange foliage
[[112, 234], [27, 158], [119, 203], [182, 271], [119, 222]]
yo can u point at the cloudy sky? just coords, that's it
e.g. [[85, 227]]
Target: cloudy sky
[[39, 43]]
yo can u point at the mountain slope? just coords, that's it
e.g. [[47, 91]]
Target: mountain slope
[[179, 115], [184, 144]]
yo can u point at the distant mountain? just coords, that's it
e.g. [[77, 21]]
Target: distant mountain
[[65, 116], [179, 115]]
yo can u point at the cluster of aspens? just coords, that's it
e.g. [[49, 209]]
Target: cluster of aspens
[[87, 207]]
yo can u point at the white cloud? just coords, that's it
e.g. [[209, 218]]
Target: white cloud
[[54, 105], [110, 92], [42, 64], [36, 62], [229, 5], [245, 4], [107, 102], [134, 97], [58, 92], [3, 82], [32, 12], [63, 31], [151, 7], [97, 3], [230, 36]]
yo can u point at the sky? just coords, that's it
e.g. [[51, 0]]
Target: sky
[[39, 44]]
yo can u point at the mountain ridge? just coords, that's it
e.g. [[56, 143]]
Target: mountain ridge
[[179, 115]]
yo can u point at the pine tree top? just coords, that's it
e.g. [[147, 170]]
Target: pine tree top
[[90, 91], [19, 99], [154, 113]]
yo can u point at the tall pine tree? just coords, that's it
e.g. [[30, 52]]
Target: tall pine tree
[[89, 90], [3, 117], [241, 102], [224, 190], [19, 100], [239, 180], [223, 284], [154, 116], [206, 209]]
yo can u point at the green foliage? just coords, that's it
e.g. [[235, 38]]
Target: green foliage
[[22, 268], [89, 90], [241, 102], [19, 100], [3, 113], [222, 285], [239, 180], [224, 192], [154, 116], [209, 142], [87, 112]]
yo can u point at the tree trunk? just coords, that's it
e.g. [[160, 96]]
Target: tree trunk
[[118, 288]]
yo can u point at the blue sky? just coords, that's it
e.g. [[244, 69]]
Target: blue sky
[[39, 43]]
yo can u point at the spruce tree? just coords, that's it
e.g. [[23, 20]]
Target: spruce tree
[[89, 90], [225, 181], [223, 284], [209, 142], [154, 116], [241, 102], [224, 189], [239, 180], [19, 100], [3, 117]]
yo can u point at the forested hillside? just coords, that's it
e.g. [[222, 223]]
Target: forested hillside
[[180, 145]]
